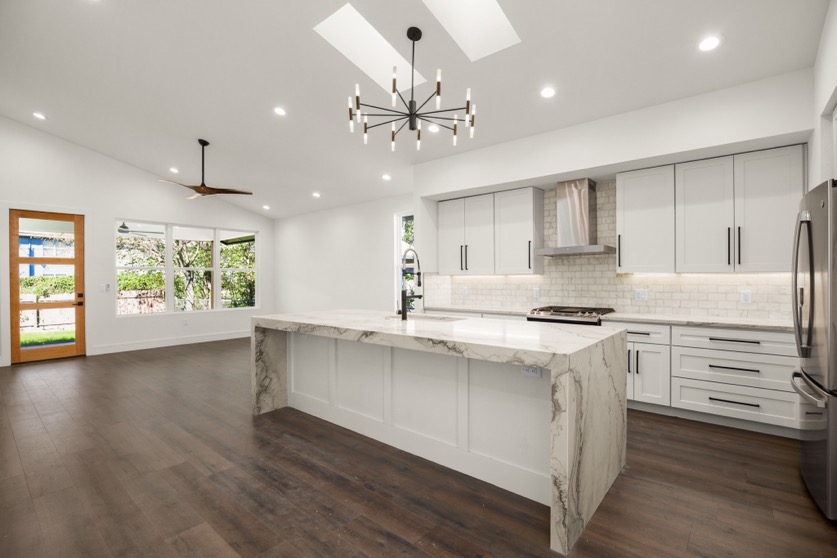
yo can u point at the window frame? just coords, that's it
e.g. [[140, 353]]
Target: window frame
[[169, 269]]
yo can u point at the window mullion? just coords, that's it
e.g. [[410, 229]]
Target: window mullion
[[216, 267], [169, 269]]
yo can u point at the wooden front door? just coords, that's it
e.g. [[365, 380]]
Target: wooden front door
[[46, 269]]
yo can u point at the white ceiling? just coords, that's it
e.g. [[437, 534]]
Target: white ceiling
[[141, 81]]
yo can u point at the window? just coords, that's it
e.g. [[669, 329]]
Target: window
[[140, 268], [404, 240], [173, 268], [238, 269], [192, 262]]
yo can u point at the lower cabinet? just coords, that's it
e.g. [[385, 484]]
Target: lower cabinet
[[649, 375]]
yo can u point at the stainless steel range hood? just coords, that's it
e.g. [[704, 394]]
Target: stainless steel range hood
[[576, 212]]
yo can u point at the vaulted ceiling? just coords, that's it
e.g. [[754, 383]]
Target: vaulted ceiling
[[141, 81]]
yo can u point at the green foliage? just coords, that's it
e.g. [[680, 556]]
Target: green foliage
[[193, 289], [140, 281], [35, 338], [134, 251], [407, 226], [44, 287], [238, 289], [240, 255]]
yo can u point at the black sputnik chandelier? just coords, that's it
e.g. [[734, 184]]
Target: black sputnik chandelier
[[413, 116]]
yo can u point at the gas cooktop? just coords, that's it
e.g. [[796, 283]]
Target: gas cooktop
[[568, 314]]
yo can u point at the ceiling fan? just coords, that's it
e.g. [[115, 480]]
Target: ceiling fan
[[204, 190], [125, 229]]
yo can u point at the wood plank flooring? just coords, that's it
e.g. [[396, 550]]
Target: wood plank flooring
[[155, 453]]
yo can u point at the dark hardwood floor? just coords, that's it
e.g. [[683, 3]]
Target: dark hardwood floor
[[155, 453]]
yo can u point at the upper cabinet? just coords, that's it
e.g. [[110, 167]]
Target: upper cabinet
[[466, 236], [645, 221], [768, 188], [518, 231], [737, 213], [705, 215]]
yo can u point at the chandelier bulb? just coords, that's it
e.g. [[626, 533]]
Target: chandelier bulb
[[455, 128], [394, 88], [365, 130], [418, 136], [438, 89], [393, 136], [473, 119]]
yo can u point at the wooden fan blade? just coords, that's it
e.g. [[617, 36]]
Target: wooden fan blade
[[176, 183], [214, 191]]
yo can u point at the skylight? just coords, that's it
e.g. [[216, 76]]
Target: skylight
[[479, 27], [357, 40]]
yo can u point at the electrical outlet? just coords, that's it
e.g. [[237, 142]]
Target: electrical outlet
[[536, 293], [185, 321], [746, 297], [641, 294], [531, 371], [465, 292]]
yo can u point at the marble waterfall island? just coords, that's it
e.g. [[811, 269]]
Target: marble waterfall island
[[534, 408]]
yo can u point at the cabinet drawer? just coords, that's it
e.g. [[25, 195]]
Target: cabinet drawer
[[729, 367], [643, 333], [750, 341], [748, 403]]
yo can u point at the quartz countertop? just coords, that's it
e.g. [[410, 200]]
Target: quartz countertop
[[784, 326], [475, 310], [496, 340]]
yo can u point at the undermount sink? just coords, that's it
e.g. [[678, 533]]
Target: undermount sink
[[427, 317]]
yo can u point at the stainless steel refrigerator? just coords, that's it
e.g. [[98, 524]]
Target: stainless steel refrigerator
[[815, 326]]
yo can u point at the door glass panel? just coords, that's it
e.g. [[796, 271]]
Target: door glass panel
[[45, 238], [140, 291], [47, 327], [47, 283]]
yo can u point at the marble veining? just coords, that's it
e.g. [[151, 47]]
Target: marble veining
[[587, 369]]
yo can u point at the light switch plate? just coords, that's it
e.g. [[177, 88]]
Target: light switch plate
[[536, 293], [746, 297], [531, 371], [465, 291], [640, 294]]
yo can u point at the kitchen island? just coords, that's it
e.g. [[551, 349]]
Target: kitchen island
[[537, 409]]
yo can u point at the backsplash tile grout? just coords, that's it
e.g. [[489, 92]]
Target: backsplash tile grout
[[593, 281]]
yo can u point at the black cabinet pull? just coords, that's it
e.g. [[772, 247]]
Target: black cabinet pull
[[529, 252], [466, 257], [638, 332], [739, 245], [619, 251], [461, 261], [756, 405], [717, 366], [729, 245], [629, 361], [728, 340], [636, 369]]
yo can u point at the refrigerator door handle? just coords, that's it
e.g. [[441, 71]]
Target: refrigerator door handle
[[803, 349], [820, 403]]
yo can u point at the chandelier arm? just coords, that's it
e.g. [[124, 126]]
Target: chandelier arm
[[437, 123], [443, 110], [387, 122], [402, 127], [427, 101], [425, 117], [406, 105], [386, 109], [400, 114]]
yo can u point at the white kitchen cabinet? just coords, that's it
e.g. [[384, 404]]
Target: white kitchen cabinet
[[645, 220], [466, 236], [705, 215], [768, 187], [649, 370], [518, 231], [451, 237]]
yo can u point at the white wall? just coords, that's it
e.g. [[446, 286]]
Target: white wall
[[766, 113], [339, 258], [822, 150], [41, 172]]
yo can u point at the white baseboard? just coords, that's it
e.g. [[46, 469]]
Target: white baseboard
[[716, 419], [166, 342]]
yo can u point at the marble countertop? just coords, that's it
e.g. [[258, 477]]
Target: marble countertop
[[475, 310], [496, 340], [784, 326]]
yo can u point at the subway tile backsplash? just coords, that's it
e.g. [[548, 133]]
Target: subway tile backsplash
[[593, 281]]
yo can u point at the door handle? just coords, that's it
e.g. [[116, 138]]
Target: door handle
[[756, 405], [719, 367], [739, 245], [466, 257], [821, 403], [79, 303], [461, 261], [729, 245], [619, 250], [797, 292], [529, 252], [636, 368], [629, 361], [731, 340]]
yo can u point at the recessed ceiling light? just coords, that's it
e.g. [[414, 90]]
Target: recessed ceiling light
[[386, 177], [39, 115], [265, 207], [316, 194], [174, 170], [280, 111], [433, 128], [709, 43], [547, 92]]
